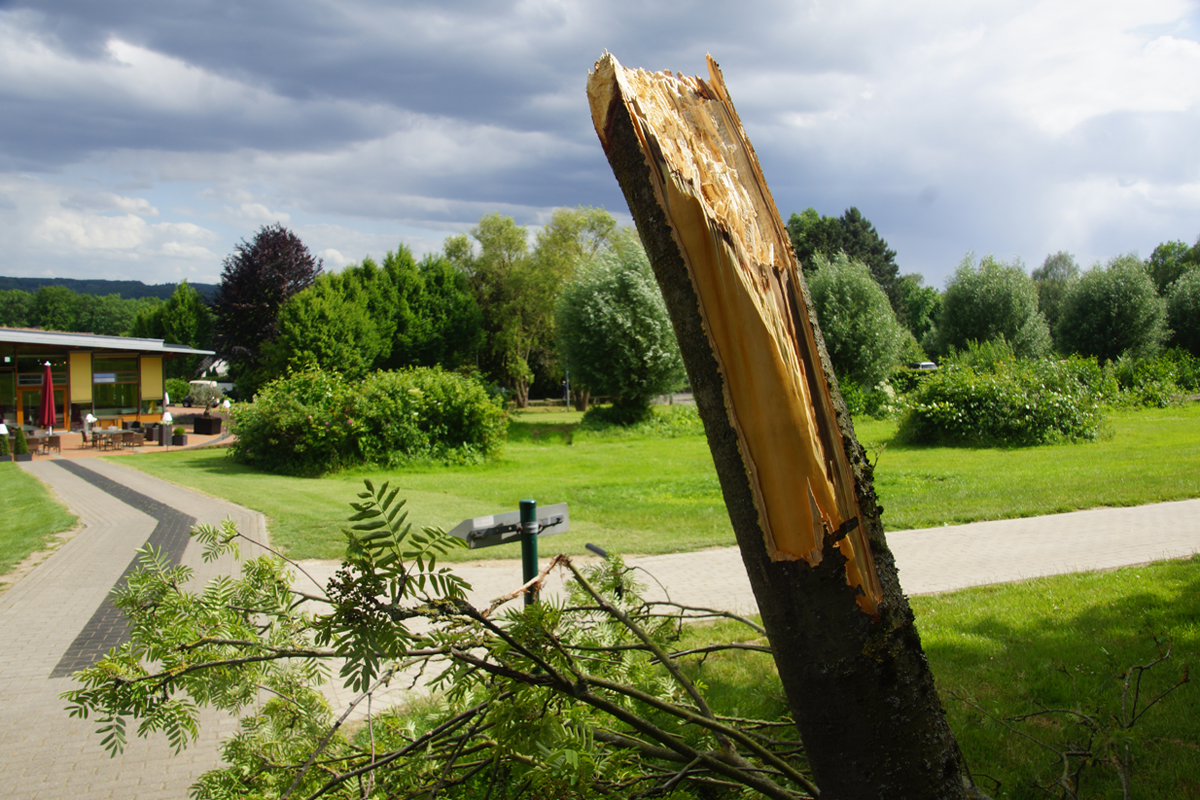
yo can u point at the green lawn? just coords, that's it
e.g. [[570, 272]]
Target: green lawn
[[1011, 649], [643, 495], [1144, 456], [1064, 642], [31, 516]]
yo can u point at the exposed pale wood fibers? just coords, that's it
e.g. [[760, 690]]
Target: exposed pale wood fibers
[[709, 185]]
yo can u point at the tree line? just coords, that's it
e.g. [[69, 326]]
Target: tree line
[[873, 318], [524, 313], [576, 301]]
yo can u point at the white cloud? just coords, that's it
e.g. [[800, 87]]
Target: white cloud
[[1018, 127], [333, 259]]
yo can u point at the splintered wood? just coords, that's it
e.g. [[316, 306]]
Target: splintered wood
[[710, 187]]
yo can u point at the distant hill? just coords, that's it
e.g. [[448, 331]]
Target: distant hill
[[128, 290]]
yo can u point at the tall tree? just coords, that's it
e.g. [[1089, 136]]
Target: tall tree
[[921, 304], [326, 327], [257, 279], [53, 309], [450, 315], [991, 300], [107, 315], [1113, 310], [516, 289], [861, 332], [183, 319], [812, 234], [1169, 261], [1183, 310], [852, 234], [15, 307], [862, 242], [842, 634], [1052, 280], [614, 330]]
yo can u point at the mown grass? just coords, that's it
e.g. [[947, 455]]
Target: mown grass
[[1065, 642], [1012, 649], [1144, 456], [655, 495], [629, 495], [31, 516]]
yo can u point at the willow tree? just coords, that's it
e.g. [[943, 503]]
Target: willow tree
[[795, 480]]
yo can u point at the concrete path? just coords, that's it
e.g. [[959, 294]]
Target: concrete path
[[54, 618]]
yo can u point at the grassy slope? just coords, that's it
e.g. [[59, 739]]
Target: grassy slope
[[31, 515], [640, 495]]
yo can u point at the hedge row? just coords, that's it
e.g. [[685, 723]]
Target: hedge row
[[311, 422], [1015, 402]]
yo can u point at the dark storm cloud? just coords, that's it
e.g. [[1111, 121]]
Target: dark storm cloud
[[1015, 127]]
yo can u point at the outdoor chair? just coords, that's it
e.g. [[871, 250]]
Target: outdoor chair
[[53, 442]]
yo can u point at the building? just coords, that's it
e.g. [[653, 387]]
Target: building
[[114, 378]]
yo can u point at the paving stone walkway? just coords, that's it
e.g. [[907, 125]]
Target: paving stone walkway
[[54, 618]]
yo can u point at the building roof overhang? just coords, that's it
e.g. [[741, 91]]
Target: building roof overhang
[[91, 341]]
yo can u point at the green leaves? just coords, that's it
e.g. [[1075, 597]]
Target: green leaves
[[314, 421], [615, 333], [991, 300], [860, 329], [1113, 310], [387, 563]]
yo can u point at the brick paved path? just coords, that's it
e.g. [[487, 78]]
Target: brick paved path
[[44, 754]]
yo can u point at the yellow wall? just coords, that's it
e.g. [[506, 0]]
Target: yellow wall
[[152, 378], [81, 378]]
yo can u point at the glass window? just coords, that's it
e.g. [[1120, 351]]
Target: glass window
[[31, 369], [114, 398], [114, 385], [8, 396]]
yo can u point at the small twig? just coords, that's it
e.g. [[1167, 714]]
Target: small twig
[[328, 736]]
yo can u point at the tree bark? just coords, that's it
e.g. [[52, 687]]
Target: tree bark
[[795, 480]]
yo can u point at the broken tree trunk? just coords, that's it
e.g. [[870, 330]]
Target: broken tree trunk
[[795, 480]]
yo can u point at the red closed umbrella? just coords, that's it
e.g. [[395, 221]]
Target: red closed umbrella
[[47, 417]]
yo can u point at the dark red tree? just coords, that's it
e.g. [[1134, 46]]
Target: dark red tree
[[258, 277]]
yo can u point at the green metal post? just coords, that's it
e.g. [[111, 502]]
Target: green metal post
[[529, 536]]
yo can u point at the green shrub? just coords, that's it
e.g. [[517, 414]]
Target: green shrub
[[878, 401], [177, 389], [1187, 368], [312, 422], [20, 443], [906, 379], [1145, 381], [4, 445], [1013, 402], [862, 336], [985, 355]]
